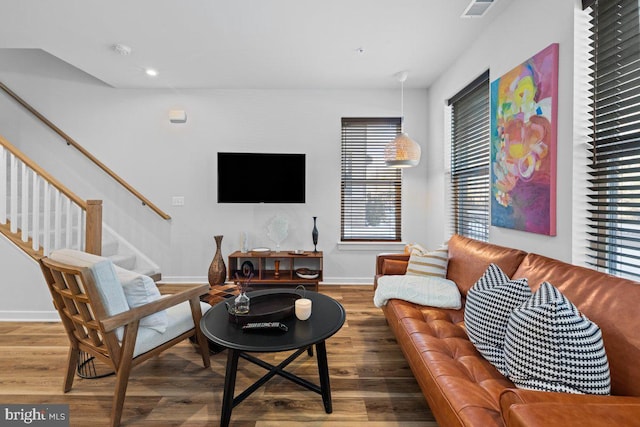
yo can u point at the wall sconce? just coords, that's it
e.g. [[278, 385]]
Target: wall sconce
[[177, 116]]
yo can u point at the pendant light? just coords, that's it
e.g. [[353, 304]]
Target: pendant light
[[402, 152]]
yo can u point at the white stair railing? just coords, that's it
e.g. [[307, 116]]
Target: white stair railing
[[37, 211], [41, 214]]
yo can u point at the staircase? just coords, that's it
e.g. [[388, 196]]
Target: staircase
[[40, 215], [123, 254]]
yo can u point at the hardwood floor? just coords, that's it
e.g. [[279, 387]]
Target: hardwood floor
[[371, 382]]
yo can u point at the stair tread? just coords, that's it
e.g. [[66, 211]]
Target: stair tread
[[110, 247], [128, 262], [148, 272]]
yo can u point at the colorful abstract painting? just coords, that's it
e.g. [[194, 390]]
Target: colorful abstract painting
[[523, 145]]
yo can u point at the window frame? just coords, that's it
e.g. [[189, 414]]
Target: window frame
[[470, 175], [363, 140]]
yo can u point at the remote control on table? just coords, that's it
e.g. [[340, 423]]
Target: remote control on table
[[265, 326]]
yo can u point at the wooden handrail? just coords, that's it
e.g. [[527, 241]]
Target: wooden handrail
[[38, 170], [71, 141], [92, 209]]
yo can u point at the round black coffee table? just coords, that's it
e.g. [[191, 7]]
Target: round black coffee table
[[326, 319]]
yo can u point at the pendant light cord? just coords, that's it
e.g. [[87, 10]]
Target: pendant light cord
[[402, 76], [402, 100]]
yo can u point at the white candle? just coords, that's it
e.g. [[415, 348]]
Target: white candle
[[303, 308]]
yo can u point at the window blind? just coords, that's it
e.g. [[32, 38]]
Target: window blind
[[470, 153], [371, 192], [614, 214]]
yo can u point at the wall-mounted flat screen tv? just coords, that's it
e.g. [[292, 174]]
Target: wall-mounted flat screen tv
[[261, 178]]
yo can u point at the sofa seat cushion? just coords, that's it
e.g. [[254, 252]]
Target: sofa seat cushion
[[442, 358], [522, 397], [563, 415]]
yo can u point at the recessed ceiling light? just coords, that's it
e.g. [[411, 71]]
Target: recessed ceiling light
[[151, 72]]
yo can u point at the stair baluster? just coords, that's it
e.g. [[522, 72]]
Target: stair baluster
[[3, 185]]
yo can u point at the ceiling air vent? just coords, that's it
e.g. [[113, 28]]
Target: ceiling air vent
[[477, 8]]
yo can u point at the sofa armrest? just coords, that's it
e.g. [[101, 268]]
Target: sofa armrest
[[519, 398], [390, 256], [564, 415], [399, 260]]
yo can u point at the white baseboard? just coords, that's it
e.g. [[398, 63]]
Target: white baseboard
[[175, 280], [29, 316], [347, 281]]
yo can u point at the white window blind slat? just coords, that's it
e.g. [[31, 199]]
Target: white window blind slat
[[470, 156], [371, 192], [614, 168]]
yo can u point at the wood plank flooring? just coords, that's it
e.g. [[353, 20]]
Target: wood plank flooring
[[371, 382]]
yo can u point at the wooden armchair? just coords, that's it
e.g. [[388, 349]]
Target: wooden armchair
[[98, 321]]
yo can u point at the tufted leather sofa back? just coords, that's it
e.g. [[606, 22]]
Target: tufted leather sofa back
[[611, 302], [468, 260]]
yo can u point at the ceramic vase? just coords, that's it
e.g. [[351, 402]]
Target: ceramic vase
[[314, 235], [217, 269]]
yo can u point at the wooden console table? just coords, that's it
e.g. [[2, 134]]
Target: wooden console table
[[264, 267]]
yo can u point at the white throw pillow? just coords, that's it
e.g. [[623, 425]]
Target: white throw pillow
[[140, 290], [428, 263], [489, 304], [551, 346]]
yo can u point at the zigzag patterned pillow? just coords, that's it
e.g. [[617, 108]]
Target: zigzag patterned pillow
[[551, 346], [489, 304]]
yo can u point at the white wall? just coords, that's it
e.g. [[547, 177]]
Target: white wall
[[24, 292], [524, 29], [130, 132]]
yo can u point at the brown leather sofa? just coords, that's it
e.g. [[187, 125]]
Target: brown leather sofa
[[464, 389]]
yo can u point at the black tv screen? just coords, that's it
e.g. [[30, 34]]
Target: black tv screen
[[261, 178]]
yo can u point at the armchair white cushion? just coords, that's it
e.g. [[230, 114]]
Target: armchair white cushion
[[138, 289], [179, 321], [110, 290]]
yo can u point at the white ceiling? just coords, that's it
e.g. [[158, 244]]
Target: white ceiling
[[249, 44]]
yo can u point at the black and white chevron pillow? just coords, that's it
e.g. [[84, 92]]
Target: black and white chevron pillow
[[489, 304], [551, 346]]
